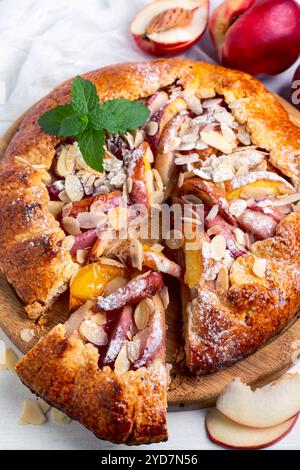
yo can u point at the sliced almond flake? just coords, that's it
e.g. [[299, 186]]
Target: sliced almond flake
[[222, 281], [93, 333], [11, 359], [32, 413], [190, 220], [63, 196], [67, 208], [194, 104], [216, 140], [283, 200], [133, 350], [82, 256], [58, 417], [27, 334], [223, 173], [130, 139], [185, 146], [55, 207], [218, 247], [129, 183], [184, 159], [114, 284], [149, 155], [136, 254], [117, 217], [157, 180], [71, 225], [89, 220], [157, 197], [142, 313], [224, 117], [228, 134], [45, 407], [74, 188], [139, 137], [65, 164], [206, 249], [212, 213], [99, 319], [180, 180], [149, 181], [262, 166], [68, 242], [202, 174], [152, 128], [239, 236], [259, 267], [211, 103], [174, 239], [122, 363], [237, 207], [243, 135]]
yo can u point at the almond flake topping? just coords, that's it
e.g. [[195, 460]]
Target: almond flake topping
[[93, 333], [11, 359], [142, 313], [32, 413], [237, 207], [27, 334], [136, 254], [89, 220], [218, 247], [216, 140], [122, 363], [259, 267], [73, 188], [58, 417], [71, 225]]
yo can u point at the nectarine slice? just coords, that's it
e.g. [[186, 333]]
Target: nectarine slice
[[91, 280], [264, 407], [227, 433]]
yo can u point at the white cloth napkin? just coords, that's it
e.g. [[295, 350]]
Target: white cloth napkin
[[43, 42]]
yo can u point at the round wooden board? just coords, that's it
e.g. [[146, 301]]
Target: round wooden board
[[266, 364]]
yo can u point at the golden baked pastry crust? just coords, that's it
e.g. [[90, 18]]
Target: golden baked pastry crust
[[127, 409], [270, 128]]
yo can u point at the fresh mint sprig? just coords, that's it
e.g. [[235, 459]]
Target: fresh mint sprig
[[86, 120]]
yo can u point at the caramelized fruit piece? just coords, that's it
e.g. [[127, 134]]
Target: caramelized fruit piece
[[136, 290], [90, 281], [193, 258], [140, 192]]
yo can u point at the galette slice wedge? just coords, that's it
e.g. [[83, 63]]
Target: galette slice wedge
[[105, 367]]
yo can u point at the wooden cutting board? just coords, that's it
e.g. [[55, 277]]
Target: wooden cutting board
[[265, 365]]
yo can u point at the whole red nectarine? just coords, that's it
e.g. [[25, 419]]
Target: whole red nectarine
[[257, 36]]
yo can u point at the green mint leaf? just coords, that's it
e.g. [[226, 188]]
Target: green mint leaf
[[52, 120], [84, 96], [119, 116], [73, 125], [91, 146]]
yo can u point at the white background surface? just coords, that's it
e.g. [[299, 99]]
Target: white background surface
[[43, 42]]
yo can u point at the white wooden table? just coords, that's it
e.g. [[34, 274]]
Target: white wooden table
[[42, 43]]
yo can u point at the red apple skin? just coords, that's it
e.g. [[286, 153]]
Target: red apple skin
[[265, 37], [263, 446], [296, 88]]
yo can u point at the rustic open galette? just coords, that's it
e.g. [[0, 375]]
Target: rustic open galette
[[214, 138]]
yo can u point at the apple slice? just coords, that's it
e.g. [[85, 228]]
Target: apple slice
[[264, 407], [227, 433], [170, 26]]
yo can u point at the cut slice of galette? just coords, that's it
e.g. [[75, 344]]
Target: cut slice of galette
[[105, 367]]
